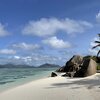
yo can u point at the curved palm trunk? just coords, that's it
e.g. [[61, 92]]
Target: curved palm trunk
[[98, 54]]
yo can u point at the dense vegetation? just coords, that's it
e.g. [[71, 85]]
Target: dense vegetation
[[98, 66]]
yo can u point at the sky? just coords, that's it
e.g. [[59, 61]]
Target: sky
[[35, 32]]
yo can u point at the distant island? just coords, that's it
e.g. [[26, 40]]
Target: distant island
[[46, 65]]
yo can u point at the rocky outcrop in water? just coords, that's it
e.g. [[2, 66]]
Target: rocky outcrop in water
[[79, 66], [53, 74]]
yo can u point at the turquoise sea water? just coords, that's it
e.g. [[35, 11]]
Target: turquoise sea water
[[10, 77]]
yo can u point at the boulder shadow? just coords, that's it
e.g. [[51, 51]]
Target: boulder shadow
[[88, 83]]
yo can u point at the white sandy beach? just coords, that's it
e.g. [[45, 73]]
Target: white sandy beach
[[56, 88]]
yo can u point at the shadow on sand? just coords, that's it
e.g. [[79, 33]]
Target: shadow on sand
[[78, 83]]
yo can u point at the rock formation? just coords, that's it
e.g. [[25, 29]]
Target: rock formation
[[53, 74], [74, 63], [88, 68], [79, 66]]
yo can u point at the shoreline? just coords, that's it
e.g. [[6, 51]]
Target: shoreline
[[56, 88], [16, 84], [20, 82]]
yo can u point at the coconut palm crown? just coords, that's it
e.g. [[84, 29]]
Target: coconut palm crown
[[98, 45]]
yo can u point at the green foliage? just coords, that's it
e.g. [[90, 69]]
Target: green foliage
[[98, 66], [91, 57]]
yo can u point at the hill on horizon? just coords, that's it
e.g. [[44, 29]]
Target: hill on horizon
[[46, 65]]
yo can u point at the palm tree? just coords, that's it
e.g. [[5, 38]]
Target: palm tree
[[98, 45]]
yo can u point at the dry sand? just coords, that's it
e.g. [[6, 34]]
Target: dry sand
[[56, 88]]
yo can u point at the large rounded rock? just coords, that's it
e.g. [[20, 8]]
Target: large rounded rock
[[75, 59], [74, 63], [88, 68]]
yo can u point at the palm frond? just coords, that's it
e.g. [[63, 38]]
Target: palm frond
[[96, 46], [98, 53], [97, 41]]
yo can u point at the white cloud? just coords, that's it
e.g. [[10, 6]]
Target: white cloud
[[92, 44], [27, 59], [25, 46], [98, 17], [93, 51], [34, 60], [17, 57], [56, 43], [3, 31], [7, 51], [96, 39], [50, 26]]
